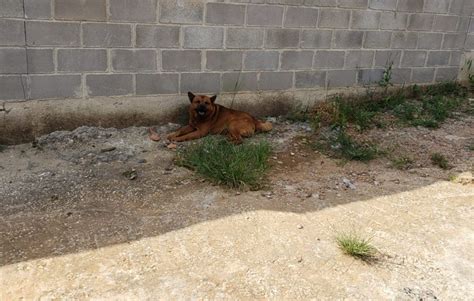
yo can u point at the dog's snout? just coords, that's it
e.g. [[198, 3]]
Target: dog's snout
[[202, 107]]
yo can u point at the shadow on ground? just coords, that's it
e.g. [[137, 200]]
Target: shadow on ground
[[69, 195]]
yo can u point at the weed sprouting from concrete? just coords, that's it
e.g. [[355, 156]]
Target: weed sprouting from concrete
[[356, 246], [235, 166]]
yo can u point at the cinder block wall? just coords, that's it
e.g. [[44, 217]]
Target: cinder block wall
[[89, 48]]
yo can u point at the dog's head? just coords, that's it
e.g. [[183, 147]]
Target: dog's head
[[202, 105]]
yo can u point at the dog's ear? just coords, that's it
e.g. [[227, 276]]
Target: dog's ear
[[213, 98], [191, 96]]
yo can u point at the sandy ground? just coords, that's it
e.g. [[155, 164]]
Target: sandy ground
[[72, 226]]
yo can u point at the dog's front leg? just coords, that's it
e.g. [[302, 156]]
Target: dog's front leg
[[199, 133], [180, 132]]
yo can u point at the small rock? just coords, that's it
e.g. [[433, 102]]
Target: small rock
[[169, 168], [108, 149], [308, 195], [171, 146], [141, 161], [280, 162], [267, 194], [376, 183], [237, 193], [130, 174], [292, 154], [348, 183], [299, 226], [299, 259]]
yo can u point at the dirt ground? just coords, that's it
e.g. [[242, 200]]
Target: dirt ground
[[73, 226]]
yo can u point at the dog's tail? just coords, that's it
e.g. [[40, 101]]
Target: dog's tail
[[262, 126]]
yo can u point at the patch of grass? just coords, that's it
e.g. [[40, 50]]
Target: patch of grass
[[402, 162], [440, 161], [236, 166], [342, 145], [356, 246], [452, 178], [299, 114]]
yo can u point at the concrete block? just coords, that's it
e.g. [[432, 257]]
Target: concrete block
[[454, 41], [52, 34], [133, 10], [261, 60], [455, 59], [286, 2], [11, 9], [423, 75], [301, 17], [401, 76], [153, 84], [385, 58], [40, 60], [264, 15], [461, 7], [55, 86], [109, 84], [383, 4], [348, 39], [106, 35], [181, 60], [393, 21], [377, 39], [12, 87], [297, 60], [446, 74], [463, 25], [244, 38], [275, 81], [342, 78], [153, 36], [223, 13], [38, 9], [328, 59], [203, 37], [353, 3], [334, 18], [469, 42], [239, 81], [81, 60], [12, 33], [438, 58], [411, 6], [316, 39], [12, 60], [320, 3], [445, 23], [404, 40], [200, 83], [420, 22], [184, 12], [436, 6], [282, 38], [429, 40], [134, 60], [224, 60], [413, 58], [365, 19], [310, 79], [369, 76], [359, 59], [85, 10]]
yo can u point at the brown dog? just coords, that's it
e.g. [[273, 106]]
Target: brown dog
[[206, 117]]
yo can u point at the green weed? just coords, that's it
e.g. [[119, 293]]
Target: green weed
[[236, 166], [356, 246], [440, 161]]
